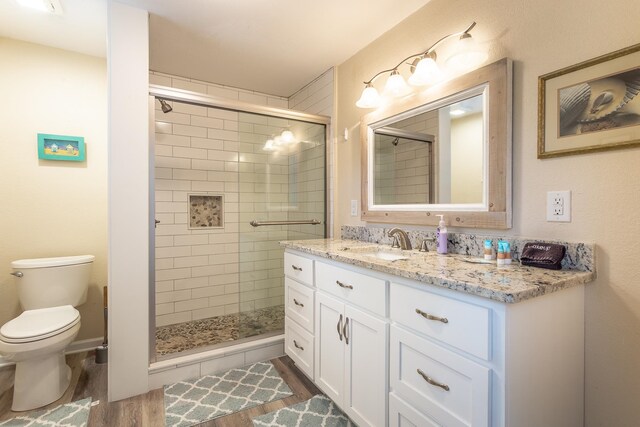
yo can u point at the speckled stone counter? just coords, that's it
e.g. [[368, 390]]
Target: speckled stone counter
[[509, 284]]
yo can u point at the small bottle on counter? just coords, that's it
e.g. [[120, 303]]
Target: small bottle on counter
[[507, 253], [441, 236], [500, 254], [488, 249]]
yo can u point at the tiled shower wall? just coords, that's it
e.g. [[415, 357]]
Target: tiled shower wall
[[205, 273]]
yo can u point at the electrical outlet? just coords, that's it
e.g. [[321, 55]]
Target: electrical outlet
[[354, 208], [559, 206]]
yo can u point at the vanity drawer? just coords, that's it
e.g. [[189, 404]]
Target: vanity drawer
[[299, 268], [401, 414], [299, 346], [299, 303], [356, 288], [467, 325], [453, 390]]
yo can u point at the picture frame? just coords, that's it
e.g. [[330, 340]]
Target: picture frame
[[61, 147], [591, 106], [205, 211]]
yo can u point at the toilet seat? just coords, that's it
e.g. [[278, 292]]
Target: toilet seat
[[35, 325]]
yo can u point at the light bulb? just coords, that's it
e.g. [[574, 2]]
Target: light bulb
[[287, 137], [370, 98], [268, 146], [427, 72], [396, 86], [467, 55]]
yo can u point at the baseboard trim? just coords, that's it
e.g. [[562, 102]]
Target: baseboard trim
[[74, 347]]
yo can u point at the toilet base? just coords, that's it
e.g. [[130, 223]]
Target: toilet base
[[41, 381]]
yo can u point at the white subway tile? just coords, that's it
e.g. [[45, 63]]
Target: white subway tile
[[231, 146], [181, 218], [164, 218], [223, 300], [194, 239], [188, 130], [208, 291], [223, 114], [230, 125], [155, 79], [195, 282], [227, 135], [207, 249], [171, 230], [188, 174], [163, 263], [170, 252], [197, 110], [222, 279], [170, 207], [222, 177], [167, 377], [192, 304], [210, 144], [191, 261], [173, 117], [164, 241], [163, 127], [165, 308], [187, 85], [163, 196], [163, 150], [207, 186], [207, 122], [192, 153], [232, 308], [176, 140], [222, 92], [165, 297], [227, 156], [172, 162], [164, 286], [210, 270], [253, 98], [211, 165]]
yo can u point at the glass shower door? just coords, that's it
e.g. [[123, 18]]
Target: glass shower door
[[281, 197]]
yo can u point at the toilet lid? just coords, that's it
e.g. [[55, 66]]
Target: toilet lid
[[38, 324]]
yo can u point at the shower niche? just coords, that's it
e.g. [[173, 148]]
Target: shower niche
[[229, 184]]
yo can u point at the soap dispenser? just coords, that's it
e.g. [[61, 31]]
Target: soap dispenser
[[441, 236]]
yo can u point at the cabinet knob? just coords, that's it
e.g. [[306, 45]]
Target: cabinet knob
[[431, 317]]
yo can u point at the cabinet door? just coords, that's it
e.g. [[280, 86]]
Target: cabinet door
[[365, 368], [329, 349]]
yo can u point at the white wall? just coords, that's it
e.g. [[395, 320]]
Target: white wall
[[541, 36], [48, 90], [129, 105]]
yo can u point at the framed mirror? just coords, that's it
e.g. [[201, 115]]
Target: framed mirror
[[445, 150]]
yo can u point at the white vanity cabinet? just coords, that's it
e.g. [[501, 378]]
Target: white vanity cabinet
[[351, 343], [392, 351], [299, 312]]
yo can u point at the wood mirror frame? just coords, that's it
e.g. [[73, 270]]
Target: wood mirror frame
[[497, 215]]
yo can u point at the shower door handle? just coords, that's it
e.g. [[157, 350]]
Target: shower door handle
[[156, 223]]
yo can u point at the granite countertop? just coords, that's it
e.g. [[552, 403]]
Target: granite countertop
[[509, 284]]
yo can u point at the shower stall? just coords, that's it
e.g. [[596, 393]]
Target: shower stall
[[230, 180]]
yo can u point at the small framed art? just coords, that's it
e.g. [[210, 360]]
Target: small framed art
[[60, 147]]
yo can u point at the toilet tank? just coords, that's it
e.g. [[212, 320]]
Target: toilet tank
[[52, 282]]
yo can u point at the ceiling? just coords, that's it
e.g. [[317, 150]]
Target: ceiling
[[269, 46]]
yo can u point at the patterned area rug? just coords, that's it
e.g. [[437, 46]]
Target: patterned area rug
[[74, 414], [187, 403], [317, 411]]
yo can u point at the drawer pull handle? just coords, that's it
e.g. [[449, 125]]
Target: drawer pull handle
[[298, 345], [432, 381], [296, 302], [340, 327], [346, 329], [296, 268], [343, 285], [431, 317]]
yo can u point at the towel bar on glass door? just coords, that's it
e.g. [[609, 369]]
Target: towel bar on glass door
[[302, 222]]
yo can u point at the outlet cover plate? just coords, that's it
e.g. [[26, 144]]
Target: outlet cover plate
[[354, 208], [559, 206]]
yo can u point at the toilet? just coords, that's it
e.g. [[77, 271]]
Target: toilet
[[48, 290]]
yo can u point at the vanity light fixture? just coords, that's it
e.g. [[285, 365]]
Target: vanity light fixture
[[425, 70]]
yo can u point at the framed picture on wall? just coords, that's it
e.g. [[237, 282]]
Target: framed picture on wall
[[60, 147], [591, 106]]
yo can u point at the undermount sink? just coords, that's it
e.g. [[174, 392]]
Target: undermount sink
[[386, 256]]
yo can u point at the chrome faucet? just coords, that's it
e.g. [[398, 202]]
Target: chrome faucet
[[401, 237]]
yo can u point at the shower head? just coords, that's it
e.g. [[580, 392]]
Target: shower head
[[395, 141], [165, 107]]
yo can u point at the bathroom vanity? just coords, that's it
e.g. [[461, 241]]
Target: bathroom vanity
[[405, 338]]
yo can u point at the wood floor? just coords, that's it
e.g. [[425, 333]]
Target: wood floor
[[90, 380]]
